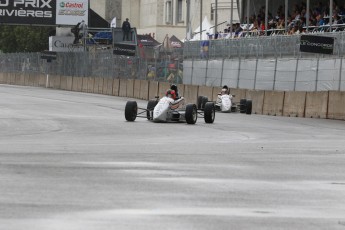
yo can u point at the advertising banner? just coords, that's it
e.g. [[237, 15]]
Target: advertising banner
[[72, 12], [44, 12], [63, 44], [317, 44], [124, 49], [40, 12]]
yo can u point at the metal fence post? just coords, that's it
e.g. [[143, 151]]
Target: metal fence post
[[238, 72], [256, 71], [222, 73], [296, 72], [340, 74], [317, 73], [206, 74], [275, 74]]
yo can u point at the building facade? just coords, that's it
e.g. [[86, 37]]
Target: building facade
[[166, 17]]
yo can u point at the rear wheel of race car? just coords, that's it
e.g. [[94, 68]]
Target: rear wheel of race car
[[202, 101], [249, 106], [131, 110], [209, 112], [243, 103], [150, 106], [191, 114], [199, 101]]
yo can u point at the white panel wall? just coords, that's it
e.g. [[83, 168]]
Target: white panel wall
[[306, 75], [214, 73], [329, 73], [247, 74], [230, 73], [265, 74], [285, 74]]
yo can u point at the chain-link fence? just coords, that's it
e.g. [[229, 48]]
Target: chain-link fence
[[164, 65], [258, 47]]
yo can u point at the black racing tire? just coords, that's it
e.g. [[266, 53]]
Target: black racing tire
[[199, 102], [249, 105], [203, 102], [150, 106], [131, 110], [243, 103], [209, 112], [191, 114]]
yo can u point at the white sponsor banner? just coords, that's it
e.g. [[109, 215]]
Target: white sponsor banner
[[63, 44], [72, 12]]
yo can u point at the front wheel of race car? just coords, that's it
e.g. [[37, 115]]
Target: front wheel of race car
[[191, 114], [209, 112], [150, 106], [131, 110]]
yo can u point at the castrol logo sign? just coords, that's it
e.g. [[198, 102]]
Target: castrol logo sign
[[72, 5], [72, 12]]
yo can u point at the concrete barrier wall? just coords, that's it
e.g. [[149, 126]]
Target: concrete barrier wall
[[206, 92], [336, 105], [123, 88], [55, 81], [136, 92], [162, 88], [153, 89], [316, 104], [130, 88], [42, 80], [257, 97], [108, 86], [294, 104], [116, 87], [2, 78], [77, 84], [98, 85], [273, 103], [84, 87], [144, 90], [20, 79], [326, 104], [191, 94]]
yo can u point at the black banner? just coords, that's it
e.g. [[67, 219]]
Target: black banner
[[317, 44], [124, 49], [49, 55], [28, 12]]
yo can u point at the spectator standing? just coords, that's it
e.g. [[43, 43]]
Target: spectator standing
[[204, 45], [82, 29], [75, 31], [126, 28]]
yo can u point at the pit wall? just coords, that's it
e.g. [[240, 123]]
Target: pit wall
[[323, 104]]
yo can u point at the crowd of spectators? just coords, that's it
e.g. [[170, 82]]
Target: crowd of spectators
[[319, 21]]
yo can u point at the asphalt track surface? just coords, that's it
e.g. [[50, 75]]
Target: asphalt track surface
[[70, 161]]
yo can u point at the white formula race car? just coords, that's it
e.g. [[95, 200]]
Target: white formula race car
[[167, 109], [225, 103]]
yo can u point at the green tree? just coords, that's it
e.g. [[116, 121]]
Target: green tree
[[15, 39]]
